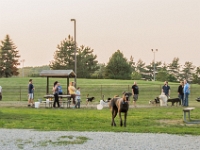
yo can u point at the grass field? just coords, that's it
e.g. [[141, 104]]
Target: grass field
[[140, 120]]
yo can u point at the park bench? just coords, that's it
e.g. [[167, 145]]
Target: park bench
[[50, 101], [189, 121]]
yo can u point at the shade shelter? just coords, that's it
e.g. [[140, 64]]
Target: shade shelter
[[57, 74]]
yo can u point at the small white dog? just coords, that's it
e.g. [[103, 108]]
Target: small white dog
[[163, 99]]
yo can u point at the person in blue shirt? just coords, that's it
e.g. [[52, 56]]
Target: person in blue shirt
[[60, 91], [186, 91]]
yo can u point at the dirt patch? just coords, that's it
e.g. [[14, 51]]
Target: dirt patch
[[176, 122]]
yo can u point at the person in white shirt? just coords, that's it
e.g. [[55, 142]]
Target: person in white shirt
[[78, 98]]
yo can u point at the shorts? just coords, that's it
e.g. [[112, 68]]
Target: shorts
[[135, 97], [30, 95]]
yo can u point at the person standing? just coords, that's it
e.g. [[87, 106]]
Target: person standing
[[0, 93], [186, 92], [78, 98], [30, 93], [72, 92], [55, 93], [166, 89], [135, 93], [60, 92], [180, 91]]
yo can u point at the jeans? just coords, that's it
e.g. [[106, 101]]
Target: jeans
[[185, 99], [181, 97], [78, 103]]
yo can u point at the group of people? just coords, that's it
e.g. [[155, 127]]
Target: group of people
[[57, 90], [74, 93], [183, 91]]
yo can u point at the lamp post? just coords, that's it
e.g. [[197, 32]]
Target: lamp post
[[22, 61], [75, 61], [154, 70]]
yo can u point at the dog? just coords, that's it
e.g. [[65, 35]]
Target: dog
[[155, 101], [89, 99], [163, 99], [104, 102], [120, 105], [174, 100]]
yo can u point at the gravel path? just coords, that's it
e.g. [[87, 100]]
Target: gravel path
[[13, 139]]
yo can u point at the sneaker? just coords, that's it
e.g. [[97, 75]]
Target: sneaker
[[29, 105]]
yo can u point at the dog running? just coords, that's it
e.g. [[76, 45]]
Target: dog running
[[89, 99]]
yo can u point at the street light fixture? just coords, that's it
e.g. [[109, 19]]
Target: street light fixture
[[154, 70], [75, 61]]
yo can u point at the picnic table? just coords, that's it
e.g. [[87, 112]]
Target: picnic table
[[50, 99]]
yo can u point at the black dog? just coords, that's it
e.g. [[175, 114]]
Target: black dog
[[174, 100], [89, 99]]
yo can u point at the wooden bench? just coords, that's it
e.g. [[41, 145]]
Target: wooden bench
[[187, 110], [51, 97]]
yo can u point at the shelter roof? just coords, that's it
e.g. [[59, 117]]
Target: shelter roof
[[57, 73]]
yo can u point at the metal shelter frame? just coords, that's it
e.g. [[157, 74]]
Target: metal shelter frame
[[57, 74]]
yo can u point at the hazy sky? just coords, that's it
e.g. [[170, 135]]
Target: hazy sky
[[132, 26]]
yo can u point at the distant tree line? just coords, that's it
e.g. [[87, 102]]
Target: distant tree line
[[118, 67]]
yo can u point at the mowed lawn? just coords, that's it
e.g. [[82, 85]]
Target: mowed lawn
[[139, 120]]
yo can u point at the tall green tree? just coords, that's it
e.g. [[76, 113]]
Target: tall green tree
[[100, 73], [64, 55], [9, 58], [86, 62], [187, 71], [196, 76], [150, 69], [132, 63], [118, 67], [174, 69], [64, 58], [140, 68]]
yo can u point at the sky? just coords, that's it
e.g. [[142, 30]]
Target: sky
[[132, 26]]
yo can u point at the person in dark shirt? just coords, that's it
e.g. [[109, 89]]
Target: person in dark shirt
[[180, 91], [135, 93], [30, 93], [166, 89]]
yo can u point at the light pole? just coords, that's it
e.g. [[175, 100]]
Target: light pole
[[154, 70], [22, 61], [75, 61]]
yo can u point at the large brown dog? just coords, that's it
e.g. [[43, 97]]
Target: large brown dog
[[119, 105]]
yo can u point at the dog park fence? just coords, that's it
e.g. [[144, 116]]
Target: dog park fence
[[146, 92]]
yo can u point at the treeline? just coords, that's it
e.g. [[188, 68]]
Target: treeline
[[118, 67]]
